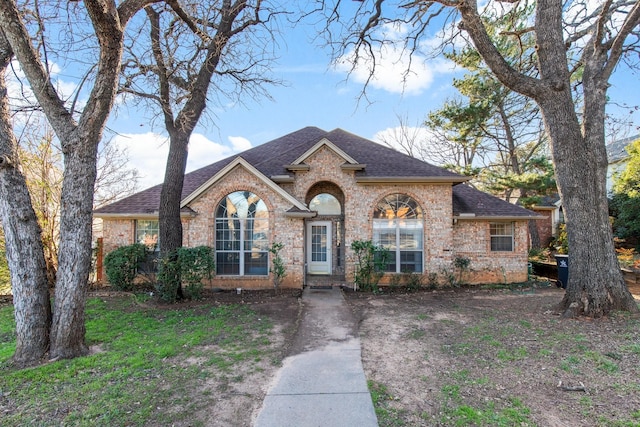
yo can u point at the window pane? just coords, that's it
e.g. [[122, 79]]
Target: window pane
[[255, 264], [398, 227], [147, 233], [319, 243], [391, 262], [501, 236], [227, 263], [384, 233], [410, 261], [242, 235], [227, 235], [325, 204], [397, 206], [502, 244]]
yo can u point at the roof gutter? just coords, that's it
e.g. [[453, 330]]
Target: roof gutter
[[467, 217], [411, 179], [153, 215]]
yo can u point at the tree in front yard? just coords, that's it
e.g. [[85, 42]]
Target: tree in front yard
[[577, 48], [199, 51], [60, 332]]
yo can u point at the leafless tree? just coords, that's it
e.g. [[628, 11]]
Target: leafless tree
[[198, 52], [79, 129], [578, 45]]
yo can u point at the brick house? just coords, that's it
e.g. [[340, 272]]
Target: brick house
[[317, 192]]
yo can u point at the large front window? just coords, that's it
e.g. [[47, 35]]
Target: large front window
[[242, 235], [397, 226]]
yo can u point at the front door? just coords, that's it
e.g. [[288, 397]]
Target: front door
[[319, 247]]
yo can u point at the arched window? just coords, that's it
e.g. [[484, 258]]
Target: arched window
[[242, 235], [325, 204], [397, 226]]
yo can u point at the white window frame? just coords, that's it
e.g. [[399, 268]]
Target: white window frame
[[138, 238], [506, 233], [394, 226], [243, 251]]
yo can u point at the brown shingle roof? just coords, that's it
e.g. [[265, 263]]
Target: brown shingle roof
[[271, 157], [468, 200]]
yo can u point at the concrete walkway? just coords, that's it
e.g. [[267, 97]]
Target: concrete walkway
[[322, 383]]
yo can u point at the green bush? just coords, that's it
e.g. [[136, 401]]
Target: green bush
[[371, 261], [121, 265], [461, 264], [189, 266], [196, 264]]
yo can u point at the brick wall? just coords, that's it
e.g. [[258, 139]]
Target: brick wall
[[472, 240], [443, 240], [117, 232]]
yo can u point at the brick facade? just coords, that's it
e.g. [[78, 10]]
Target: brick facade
[[444, 238]]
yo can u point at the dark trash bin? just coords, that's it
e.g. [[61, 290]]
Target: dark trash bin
[[562, 261]]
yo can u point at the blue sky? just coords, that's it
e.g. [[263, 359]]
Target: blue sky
[[314, 94]]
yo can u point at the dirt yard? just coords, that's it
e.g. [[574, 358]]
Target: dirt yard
[[496, 357], [469, 357]]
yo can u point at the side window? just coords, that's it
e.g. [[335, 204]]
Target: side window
[[147, 234], [398, 227], [502, 234], [242, 235]]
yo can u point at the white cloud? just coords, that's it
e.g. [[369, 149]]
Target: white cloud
[[148, 152], [397, 70], [239, 143], [401, 137]]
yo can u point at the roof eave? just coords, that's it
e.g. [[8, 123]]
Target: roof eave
[[297, 167], [411, 179], [129, 215], [353, 167], [462, 217], [282, 179]]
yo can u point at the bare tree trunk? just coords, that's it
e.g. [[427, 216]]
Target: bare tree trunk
[[79, 141], [170, 224], [74, 263], [25, 255], [596, 285]]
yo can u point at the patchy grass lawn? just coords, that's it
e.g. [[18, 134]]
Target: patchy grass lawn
[[185, 365], [464, 357]]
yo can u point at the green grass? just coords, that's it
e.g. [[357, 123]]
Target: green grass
[[381, 397], [137, 378], [455, 412]]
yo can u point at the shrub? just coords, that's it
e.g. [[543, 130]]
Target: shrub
[[371, 261], [412, 280], [189, 266], [277, 265], [196, 264], [461, 264], [432, 280], [121, 265], [561, 242]]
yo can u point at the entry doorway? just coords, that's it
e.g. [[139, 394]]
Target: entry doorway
[[319, 244]]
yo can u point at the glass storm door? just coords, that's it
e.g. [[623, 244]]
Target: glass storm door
[[319, 247]]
